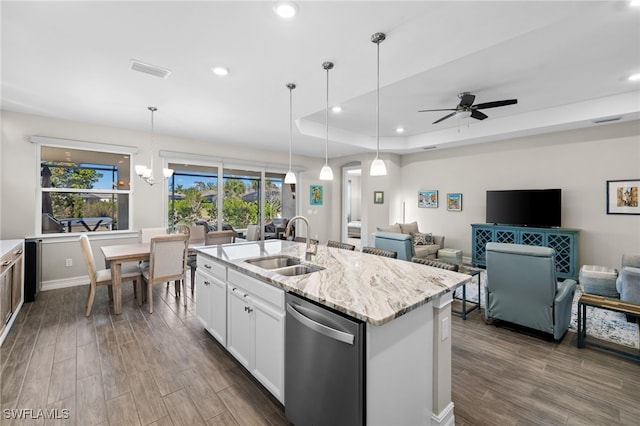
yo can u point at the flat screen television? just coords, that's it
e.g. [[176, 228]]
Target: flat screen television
[[525, 207]]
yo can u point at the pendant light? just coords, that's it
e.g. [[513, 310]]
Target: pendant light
[[326, 173], [377, 167], [146, 173], [290, 177]]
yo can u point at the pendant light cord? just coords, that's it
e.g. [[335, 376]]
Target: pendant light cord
[[326, 118], [153, 110], [291, 86], [378, 102]]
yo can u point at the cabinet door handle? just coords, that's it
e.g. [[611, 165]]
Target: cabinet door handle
[[19, 251], [207, 283], [207, 266], [248, 309], [6, 263]]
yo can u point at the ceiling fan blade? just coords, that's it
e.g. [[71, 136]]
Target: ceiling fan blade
[[478, 115], [429, 110], [467, 99], [445, 117], [496, 104]]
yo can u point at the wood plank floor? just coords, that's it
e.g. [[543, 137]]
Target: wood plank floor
[[56, 358]]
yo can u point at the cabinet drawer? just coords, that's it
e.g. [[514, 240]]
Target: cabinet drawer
[[211, 267], [267, 292]]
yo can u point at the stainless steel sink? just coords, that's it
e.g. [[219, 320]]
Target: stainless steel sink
[[296, 270], [273, 262]]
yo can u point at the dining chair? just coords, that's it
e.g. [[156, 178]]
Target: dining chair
[[196, 236], [167, 262], [380, 252], [340, 245], [304, 240], [220, 237], [147, 233], [253, 233], [103, 276]]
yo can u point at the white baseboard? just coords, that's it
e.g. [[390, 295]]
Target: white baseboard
[[64, 283], [445, 417]]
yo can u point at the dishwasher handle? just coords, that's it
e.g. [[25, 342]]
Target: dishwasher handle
[[330, 332]]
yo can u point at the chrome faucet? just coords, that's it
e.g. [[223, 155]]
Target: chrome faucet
[[310, 251]]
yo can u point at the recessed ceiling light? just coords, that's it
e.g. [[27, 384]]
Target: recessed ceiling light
[[635, 3], [285, 9], [635, 77], [399, 129], [336, 109], [221, 71]]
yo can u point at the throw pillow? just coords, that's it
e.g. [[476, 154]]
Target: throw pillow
[[391, 228], [420, 239], [409, 228]]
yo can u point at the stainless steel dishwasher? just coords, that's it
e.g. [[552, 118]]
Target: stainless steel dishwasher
[[324, 366]]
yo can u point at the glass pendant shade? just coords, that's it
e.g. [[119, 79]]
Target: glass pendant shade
[[326, 173], [378, 168], [290, 178]]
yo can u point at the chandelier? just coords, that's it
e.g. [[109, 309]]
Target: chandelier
[[146, 173]]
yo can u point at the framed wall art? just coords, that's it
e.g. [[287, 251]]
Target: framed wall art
[[428, 199], [378, 197], [454, 202], [315, 195], [622, 196]]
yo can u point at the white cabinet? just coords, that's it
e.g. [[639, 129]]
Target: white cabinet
[[255, 321], [211, 297], [11, 283]]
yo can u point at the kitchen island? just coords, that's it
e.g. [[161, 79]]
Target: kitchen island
[[405, 308]]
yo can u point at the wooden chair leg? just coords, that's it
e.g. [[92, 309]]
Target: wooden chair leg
[[184, 291], [92, 295], [150, 296], [193, 279]]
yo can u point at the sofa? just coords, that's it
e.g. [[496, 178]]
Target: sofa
[[408, 241]]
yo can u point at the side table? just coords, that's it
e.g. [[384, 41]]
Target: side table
[[474, 305]]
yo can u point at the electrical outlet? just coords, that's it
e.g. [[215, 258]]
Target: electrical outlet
[[68, 262]]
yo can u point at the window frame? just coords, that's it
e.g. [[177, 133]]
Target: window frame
[[98, 148]]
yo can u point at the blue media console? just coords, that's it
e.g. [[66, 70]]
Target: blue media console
[[563, 240]]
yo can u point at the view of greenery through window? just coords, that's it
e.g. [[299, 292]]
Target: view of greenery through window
[[194, 196], [79, 196]]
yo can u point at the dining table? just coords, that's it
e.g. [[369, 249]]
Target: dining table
[[116, 255]]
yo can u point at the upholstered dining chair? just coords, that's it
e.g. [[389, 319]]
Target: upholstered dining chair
[[340, 245], [99, 277], [196, 236], [167, 262], [220, 237], [304, 240], [380, 252], [147, 233], [436, 263]]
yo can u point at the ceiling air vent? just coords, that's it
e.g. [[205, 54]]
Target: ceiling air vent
[[607, 120], [149, 69], [429, 147]]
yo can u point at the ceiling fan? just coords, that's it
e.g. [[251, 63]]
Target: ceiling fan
[[466, 108]]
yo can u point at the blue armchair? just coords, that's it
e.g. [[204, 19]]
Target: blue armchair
[[628, 283], [522, 288]]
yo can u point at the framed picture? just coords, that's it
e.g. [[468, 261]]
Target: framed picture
[[378, 197], [315, 195], [622, 196], [454, 202], [428, 199]]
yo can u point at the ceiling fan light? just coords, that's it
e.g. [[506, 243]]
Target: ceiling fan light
[[464, 114], [378, 168], [290, 178], [326, 173]]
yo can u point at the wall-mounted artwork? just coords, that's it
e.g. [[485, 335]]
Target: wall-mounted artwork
[[428, 199], [454, 202], [315, 195], [622, 196], [378, 197]]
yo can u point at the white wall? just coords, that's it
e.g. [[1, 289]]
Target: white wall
[[19, 179], [579, 162]]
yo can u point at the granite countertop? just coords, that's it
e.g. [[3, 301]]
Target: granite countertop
[[372, 288], [7, 245]]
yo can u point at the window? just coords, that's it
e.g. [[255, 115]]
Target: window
[[193, 194], [83, 190]]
